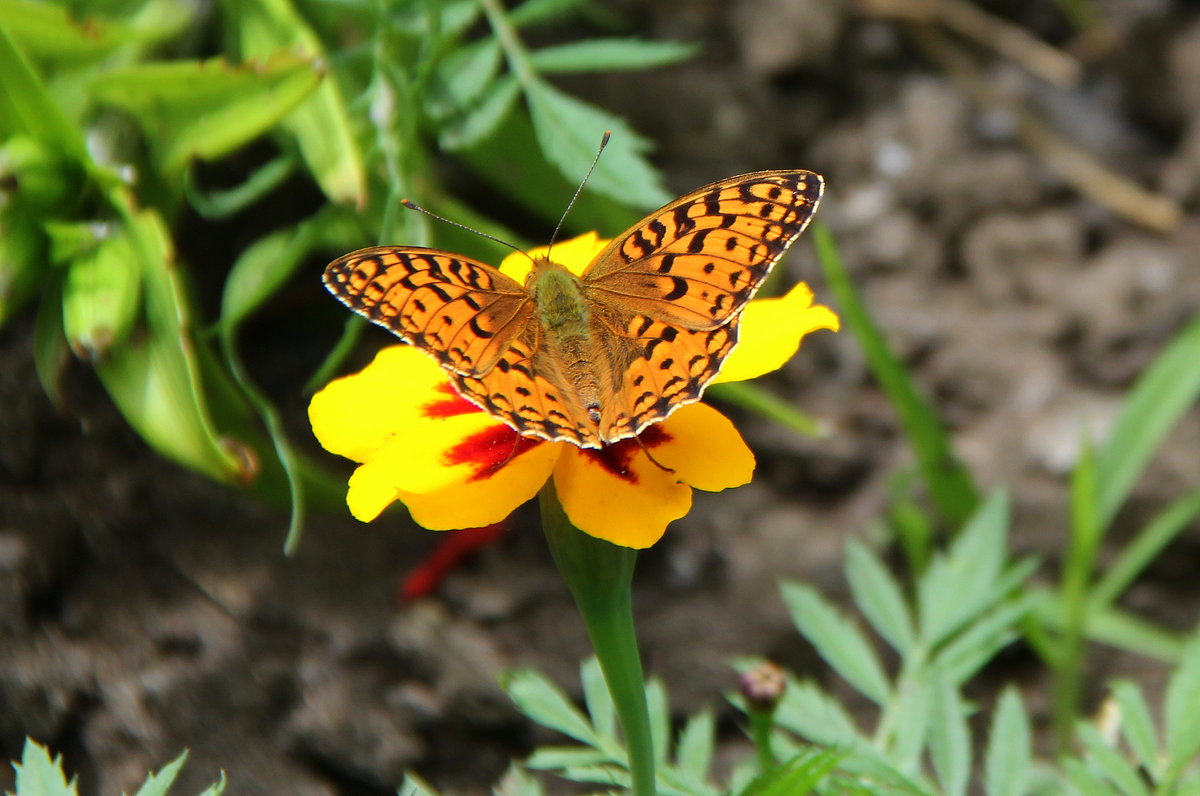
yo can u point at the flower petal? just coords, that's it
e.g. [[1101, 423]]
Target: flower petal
[[771, 331], [704, 449], [357, 414], [575, 255], [618, 494]]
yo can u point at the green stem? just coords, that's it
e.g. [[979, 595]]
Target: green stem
[[600, 575], [762, 722]]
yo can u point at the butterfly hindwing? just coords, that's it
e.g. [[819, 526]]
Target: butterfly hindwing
[[697, 262], [463, 312]]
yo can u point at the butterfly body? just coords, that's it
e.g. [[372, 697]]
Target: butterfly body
[[592, 358]]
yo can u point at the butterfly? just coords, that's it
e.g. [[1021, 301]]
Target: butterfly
[[595, 358]]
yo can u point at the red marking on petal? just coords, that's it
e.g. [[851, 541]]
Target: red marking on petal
[[617, 457], [453, 548], [488, 451], [450, 406]]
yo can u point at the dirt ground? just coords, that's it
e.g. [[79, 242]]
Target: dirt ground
[[144, 609]]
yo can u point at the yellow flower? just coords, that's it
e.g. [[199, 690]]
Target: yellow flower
[[454, 466]]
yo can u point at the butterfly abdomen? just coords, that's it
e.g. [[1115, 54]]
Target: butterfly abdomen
[[569, 336]]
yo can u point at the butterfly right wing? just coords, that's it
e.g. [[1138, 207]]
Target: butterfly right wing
[[463, 312]]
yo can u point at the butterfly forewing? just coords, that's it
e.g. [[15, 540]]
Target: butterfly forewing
[[463, 312], [697, 262]]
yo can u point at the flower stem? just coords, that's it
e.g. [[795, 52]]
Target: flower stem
[[600, 576]]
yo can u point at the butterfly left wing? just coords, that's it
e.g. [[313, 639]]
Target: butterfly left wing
[[462, 312], [696, 262]]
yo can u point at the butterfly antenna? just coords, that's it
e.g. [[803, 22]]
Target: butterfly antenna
[[411, 205], [603, 143]]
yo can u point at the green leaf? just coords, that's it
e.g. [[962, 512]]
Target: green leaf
[[1137, 725], [321, 125], [1008, 753], [838, 641], [1182, 715], [415, 786], [1110, 762], [101, 295], [22, 262], [1144, 549], [207, 108], [217, 205], [958, 585], [596, 696], [460, 80], [752, 397], [27, 107], [533, 12], [879, 597], [40, 775], [948, 482], [542, 701], [1162, 394], [1085, 779], [518, 782], [908, 720], [796, 776], [70, 36], [810, 713], [949, 738], [568, 131], [50, 343], [160, 783], [607, 55], [262, 268], [154, 378], [697, 741], [560, 758], [482, 120], [660, 718], [964, 655]]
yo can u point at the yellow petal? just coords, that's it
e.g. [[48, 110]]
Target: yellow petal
[[358, 414], [704, 449], [574, 255], [771, 331], [618, 494]]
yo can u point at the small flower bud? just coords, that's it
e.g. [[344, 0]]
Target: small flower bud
[[763, 685]]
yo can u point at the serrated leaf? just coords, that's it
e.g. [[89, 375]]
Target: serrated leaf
[[554, 758], [542, 701], [482, 120], [1111, 763], [1086, 780], [1008, 752], [697, 741], [660, 718], [838, 641], [965, 653], [596, 696], [1182, 716], [207, 108], [461, 78], [910, 714], [159, 783], [796, 776], [810, 713], [568, 131], [40, 775], [215, 789], [606, 55], [1137, 725], [879, 597], [958, 584], [949, 738]]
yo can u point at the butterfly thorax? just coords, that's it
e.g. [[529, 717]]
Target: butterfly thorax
[[567, 328]]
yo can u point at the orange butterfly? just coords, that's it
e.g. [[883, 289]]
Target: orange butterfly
[[595, 358]]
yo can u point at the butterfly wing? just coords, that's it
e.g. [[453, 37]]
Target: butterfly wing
[[466, 314], [696, 262], [671, 289]]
